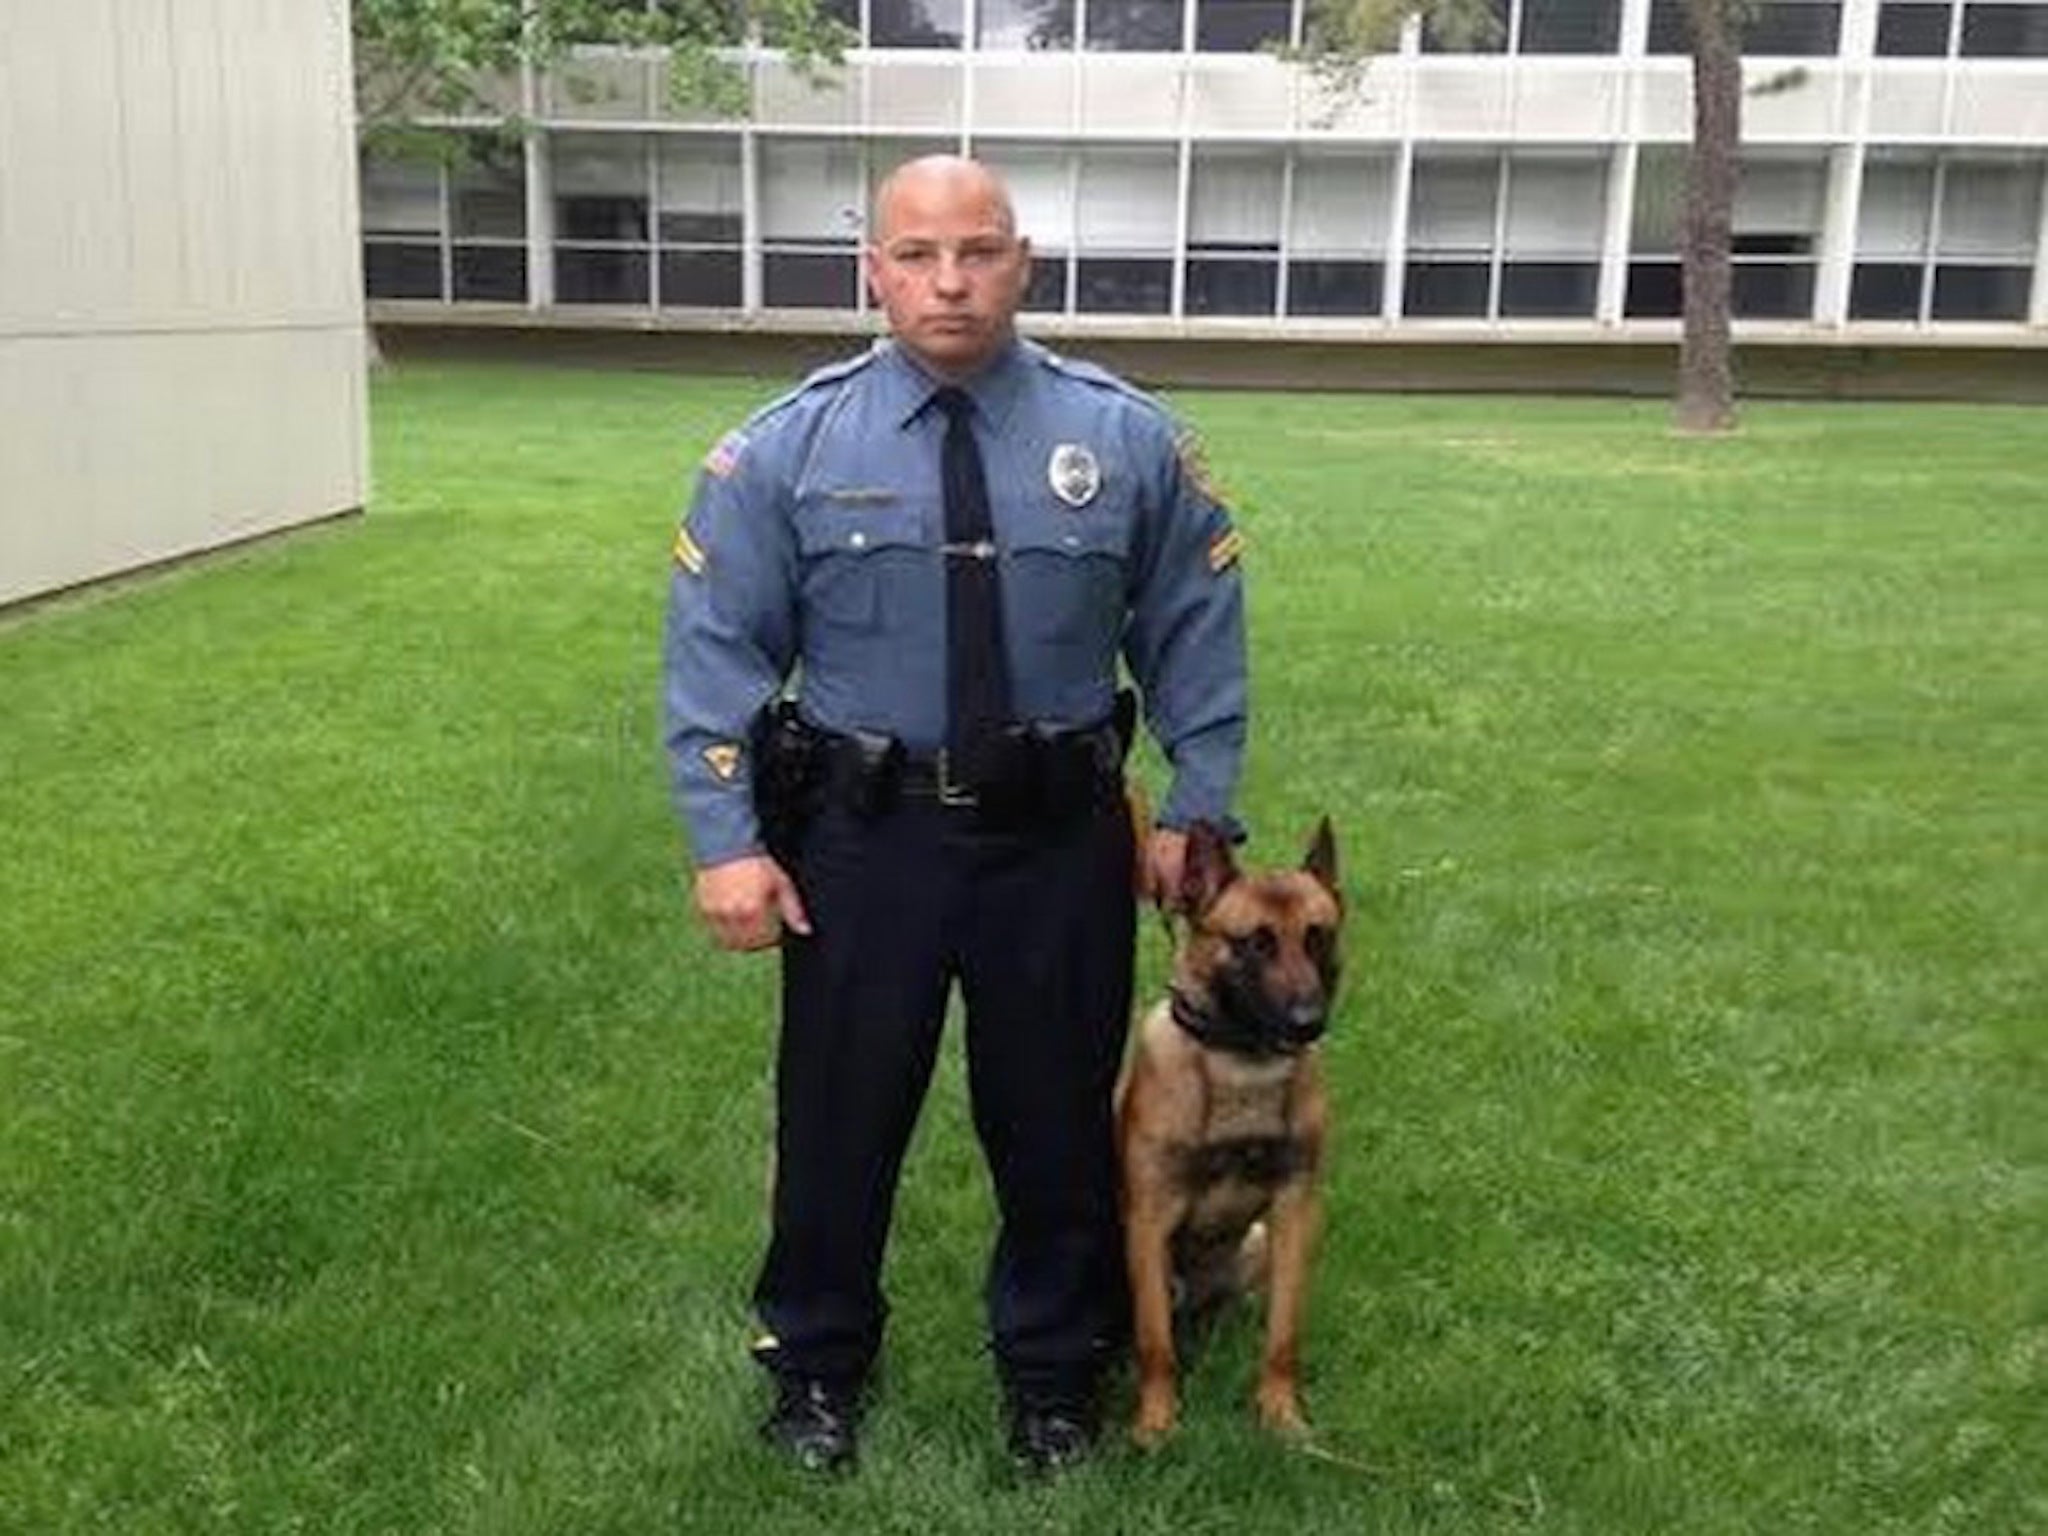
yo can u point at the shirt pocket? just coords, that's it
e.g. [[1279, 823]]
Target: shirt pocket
[[853, 554], [1067, 574]]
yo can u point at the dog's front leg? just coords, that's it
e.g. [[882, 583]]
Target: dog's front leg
[[1292, 1228], [1148, 1230]]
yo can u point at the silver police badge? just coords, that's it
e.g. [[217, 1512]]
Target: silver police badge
[[1073, 473]]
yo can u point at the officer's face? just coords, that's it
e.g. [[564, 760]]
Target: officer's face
[[947, 265]]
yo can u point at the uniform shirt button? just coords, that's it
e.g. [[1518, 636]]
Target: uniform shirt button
[[1072, 541], [858, 540]]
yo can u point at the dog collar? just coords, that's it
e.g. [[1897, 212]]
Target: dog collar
[[1208, 1029]]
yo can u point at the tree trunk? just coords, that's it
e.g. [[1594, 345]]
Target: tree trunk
[[1706, 372]]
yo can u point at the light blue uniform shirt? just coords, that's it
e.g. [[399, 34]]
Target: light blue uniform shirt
[[813, 554]]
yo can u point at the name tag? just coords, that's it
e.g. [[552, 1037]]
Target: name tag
[[859, 495]]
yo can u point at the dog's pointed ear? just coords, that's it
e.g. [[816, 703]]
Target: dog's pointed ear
[[1208, 867], [1322, 857]]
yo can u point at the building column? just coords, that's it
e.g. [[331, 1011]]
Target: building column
[[540, 193], [750, 221], [1838, 234], [2037, 313], [1621, 207]]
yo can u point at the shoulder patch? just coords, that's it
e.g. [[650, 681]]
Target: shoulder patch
[[1224, 551], [723, 759], [689, 554], [724, 456]]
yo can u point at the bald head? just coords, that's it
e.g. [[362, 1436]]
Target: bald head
[[945, 178], [945, 262]]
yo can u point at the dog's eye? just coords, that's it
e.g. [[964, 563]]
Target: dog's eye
[[1264, 942], [1316, 940]]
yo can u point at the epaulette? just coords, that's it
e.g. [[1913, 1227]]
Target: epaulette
[[1096, 374], [817, 378], [725, 454]]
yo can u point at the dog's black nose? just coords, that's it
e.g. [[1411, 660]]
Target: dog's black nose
[[1305, 1021]]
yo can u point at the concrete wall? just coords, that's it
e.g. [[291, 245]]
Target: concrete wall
[[1907, 365], [181, 335]]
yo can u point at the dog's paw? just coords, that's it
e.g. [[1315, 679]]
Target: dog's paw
[[1157, 1412], [1280, 1411]]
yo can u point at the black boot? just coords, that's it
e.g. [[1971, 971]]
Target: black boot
[[814, 1423], [1051, 1431]]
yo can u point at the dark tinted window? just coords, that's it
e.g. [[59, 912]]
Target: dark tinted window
[[600, 277], [916, 23], [1913, 29], [1570, 26], [1885, 290], [1981, 293], [1564, 289], [1441, 289], [2005, 31], [1232, 287], [1124, 286], [491, 273], [1240, 26], [808, 280], [1134, 25], [1333, 287], [392, 271], [707, 279]]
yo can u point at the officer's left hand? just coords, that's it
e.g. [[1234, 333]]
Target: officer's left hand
[[1166, 856], [748, 902]]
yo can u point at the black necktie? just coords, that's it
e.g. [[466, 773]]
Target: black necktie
[[977, 674]]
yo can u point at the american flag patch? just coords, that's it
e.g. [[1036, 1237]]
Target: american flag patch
[[1224, 550], [724, 456]]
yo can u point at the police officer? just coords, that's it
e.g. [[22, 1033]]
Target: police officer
[[934, 554]]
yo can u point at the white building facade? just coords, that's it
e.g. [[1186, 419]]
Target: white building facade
[[181, 314], [1177, 178]]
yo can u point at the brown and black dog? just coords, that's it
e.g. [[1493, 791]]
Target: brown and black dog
[[1221, 1117]]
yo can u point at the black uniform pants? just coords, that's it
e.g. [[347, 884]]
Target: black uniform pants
[[1037, 929]]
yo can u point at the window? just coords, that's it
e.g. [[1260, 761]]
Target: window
[[487, 208], [1489, 36], [1654, 290], [402, 229], [1778, 28], [1569, 26], [1780, 205], [1135, 26], [1337, 238], [916, 23], [2005, 29], [1535, 26], [1241, 26], [1913, 29], [1893, 221], [602, 250], [447, 232], [1033, 26], [1550, 257], [810, 223], [698, 222], [1450, 236], [1234, 233], [1124, 230], [1989, 213]]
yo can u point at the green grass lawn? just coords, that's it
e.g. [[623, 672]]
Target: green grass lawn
[[381, 1145]]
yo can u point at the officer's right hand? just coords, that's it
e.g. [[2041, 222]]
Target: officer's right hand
[[748, 902]]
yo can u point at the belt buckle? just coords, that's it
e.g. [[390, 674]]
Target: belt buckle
[[950, 790]]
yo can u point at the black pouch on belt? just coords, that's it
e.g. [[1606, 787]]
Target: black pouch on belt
[[788, 768]]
